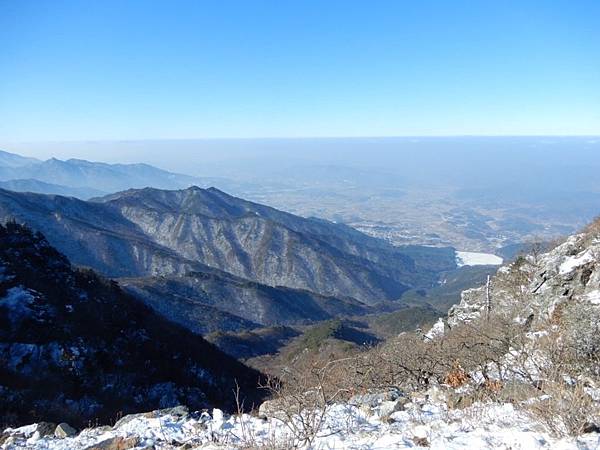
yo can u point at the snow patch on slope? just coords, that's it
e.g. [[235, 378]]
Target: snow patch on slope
[[573, 262], [593, 297], [481, 426], [18, 302], [437, 330]]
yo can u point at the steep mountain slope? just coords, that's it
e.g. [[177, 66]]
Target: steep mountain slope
[[212, 203], [276, 248], [91, 235], [150, 232], [75, 347], [212, 300]]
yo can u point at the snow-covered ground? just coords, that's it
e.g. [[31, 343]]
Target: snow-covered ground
[[423, 423], [477, 259]]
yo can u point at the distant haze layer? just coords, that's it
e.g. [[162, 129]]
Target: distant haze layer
[[460, 161], [473, 193]]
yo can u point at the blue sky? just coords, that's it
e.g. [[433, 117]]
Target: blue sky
[[96, 70]]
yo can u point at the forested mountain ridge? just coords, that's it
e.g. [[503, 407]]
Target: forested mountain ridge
[[74, 346], [151, 232]]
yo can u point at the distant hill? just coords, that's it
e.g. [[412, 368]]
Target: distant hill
[[40, 187], [13, 160], [83, 179]]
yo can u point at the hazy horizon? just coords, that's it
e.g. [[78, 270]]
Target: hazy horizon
[[177, 154]]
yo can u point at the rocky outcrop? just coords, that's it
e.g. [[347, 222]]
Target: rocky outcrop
[[537, 285], [64, 430]]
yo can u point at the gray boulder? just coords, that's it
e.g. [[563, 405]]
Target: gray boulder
[[64, 430], [372, 400], [387, 408], [272, 409], [115, 443]]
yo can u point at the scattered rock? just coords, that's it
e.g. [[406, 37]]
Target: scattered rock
[[218, 415], [375, 399], [436, 395], [64, 430], [46, 428], [420, 436], [590, 427], [421, 441], [115, 443], [177, 411], [4, 436], [10, 440], [387, 408], [129, 417], [271, 409], [34, 438], [458, 401]]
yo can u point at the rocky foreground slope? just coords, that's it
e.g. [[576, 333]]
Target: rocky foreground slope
[[514, 366], [74, 347]]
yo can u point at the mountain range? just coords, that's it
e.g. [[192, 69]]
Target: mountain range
[[217, 256]]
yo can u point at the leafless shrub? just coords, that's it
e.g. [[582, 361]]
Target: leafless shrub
[[302, 396], [411, 363], [567, 409], [593, 229], [580, 330], [247, 438], [570, 374]]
